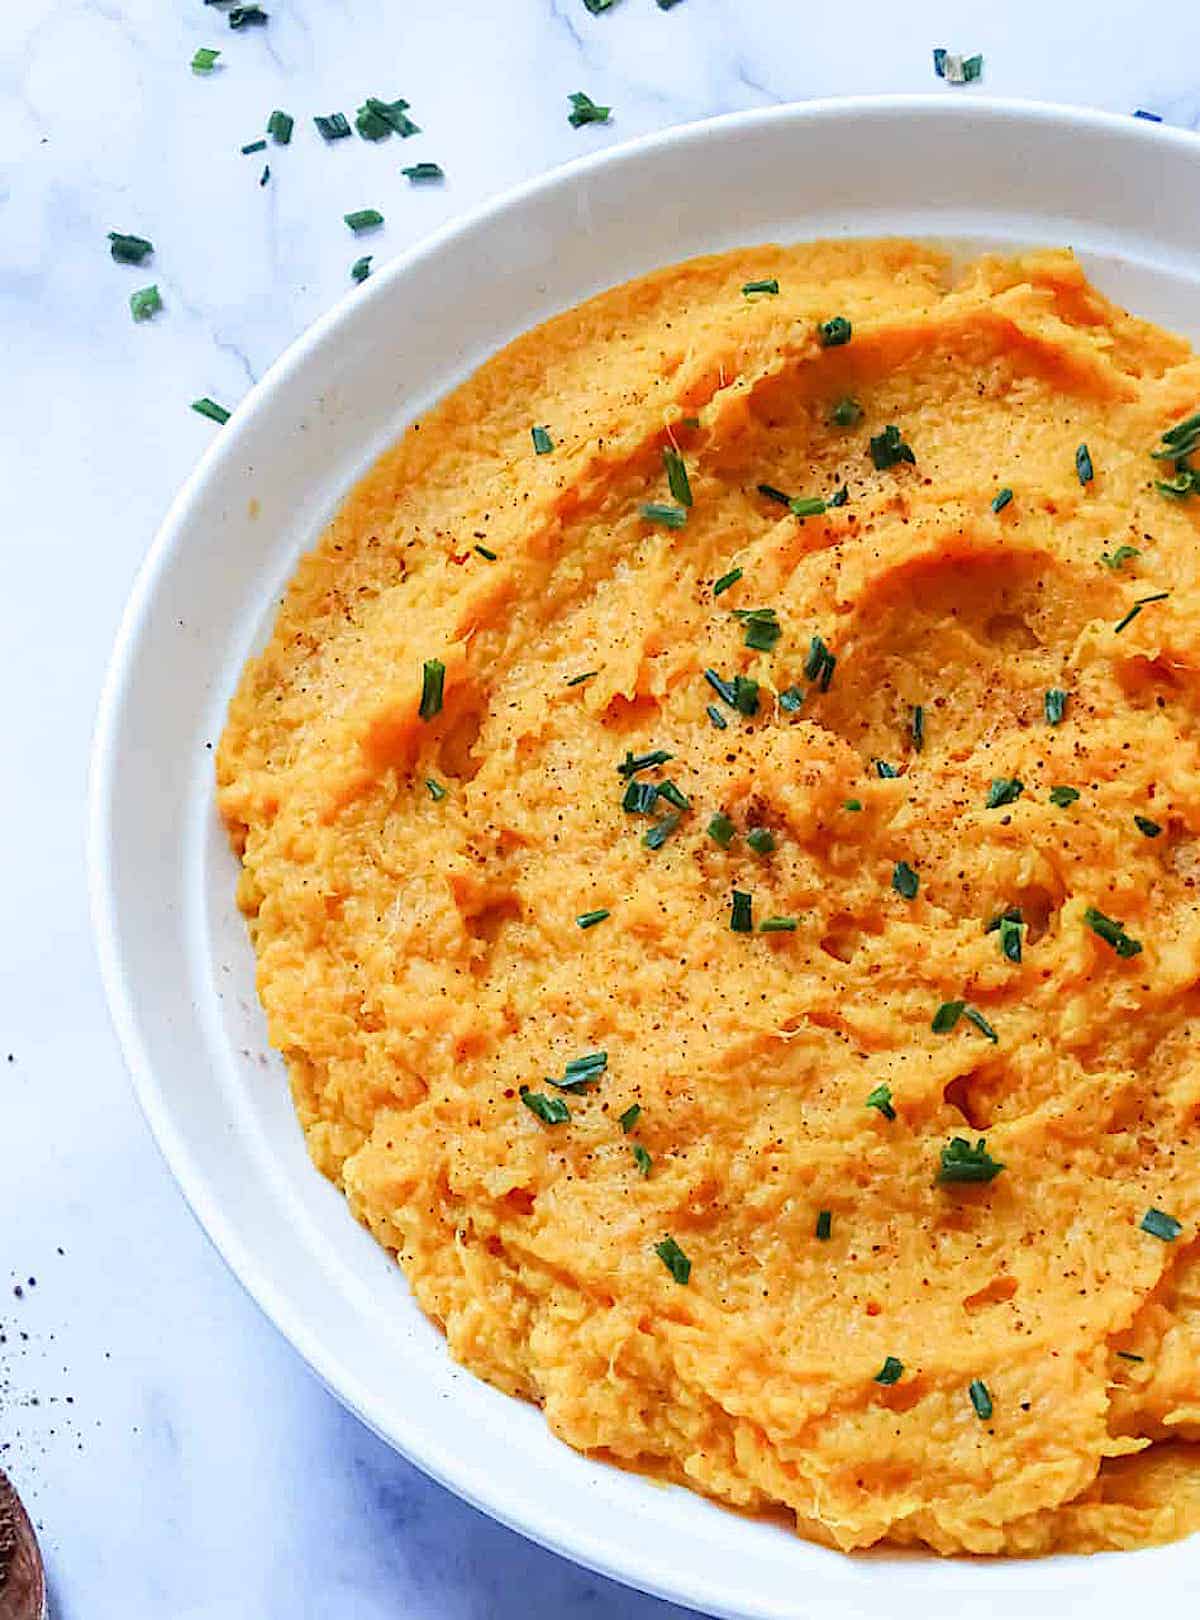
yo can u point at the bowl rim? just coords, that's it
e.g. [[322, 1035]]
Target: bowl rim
[[418, 1443]]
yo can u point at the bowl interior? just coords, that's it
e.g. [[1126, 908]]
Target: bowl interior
[[177, 962]]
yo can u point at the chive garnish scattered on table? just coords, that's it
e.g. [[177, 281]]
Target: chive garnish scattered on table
[[248, 17], [832, 334], [677, 476], [846, 413], [740, 913], [1161, 1225], [642, 1159], [419, 172], [210, 408], [360, 270], [956, 69], [824, 1227], [280, 126], [332, 126], [1142, 601], [721, 830], [363, 219], [542, 442], [1001, 499], [144, 303], [550, 1110], [585, 111], [1004, 790], [891, 1371], [205, 59], [881, 1099], [673, 1257], [905, 880], [254, 146], [630, 1117], [670, 517], [1083, 465], [981, 1398], [1063, 796], [769, 285], [1111, 932], [589, 919], [375, 120], [888, 449], [1149, 829], [433, 677], [1055, 705], [960, 1162], [127, 249], [726, 580], [436, 791], [265, 175]]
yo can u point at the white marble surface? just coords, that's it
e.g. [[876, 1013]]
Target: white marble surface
[[179, 1459]]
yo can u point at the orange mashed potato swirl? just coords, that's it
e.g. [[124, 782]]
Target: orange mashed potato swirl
[[733, 1256]]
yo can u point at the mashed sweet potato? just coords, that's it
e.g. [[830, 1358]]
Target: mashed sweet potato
[[881, 1207]]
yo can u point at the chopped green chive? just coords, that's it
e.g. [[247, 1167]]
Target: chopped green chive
[[550, 1110], [265, 175], [1055, 703], [332, 126], [778, 925], [717, 718], [585, 111], [673, 794], [974, 1016], [677, 476], [1063, 796], [840, 497], [542, 442], [1010, 938], [1188, 429], [436, 791], [633, 763], [630, 1117], [956, 69], [640, 798], [773, 494], [1128, 1355], [947, 1015], [963, 1163], [144, 303], [1083, 465], [375, 120], [1144, 825], [576, 680], [280, 126], [363, 219], [1142, 601], [886, 772], [420, 172], [846, 413], [433, 676], [881, 1098], [741, 693], [127, 249], [597, 6], [888, 448], [905, 880], [579, 1071], [770, 285], [210, 408], [891, 1372], [657, 836], [739, 917], [726, 580], [832, 334], [1111, 932], [360, 270], [806, 506], [670, 517], [204, 60], [1012, 914], [1161, 1225], [642, 1159], [824, 1228], [852, 804], [820, 663], [253, 146], [721, 830], [247, 17], [916, 726], [791, 699], [589, 919], [761, 840], [673, 1257], [1116, 559], [1001, 499], [1185, 482], [762, 627], [981, 1398], [1004, 790]]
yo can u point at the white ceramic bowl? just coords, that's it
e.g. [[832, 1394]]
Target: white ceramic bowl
[[176, 961]]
